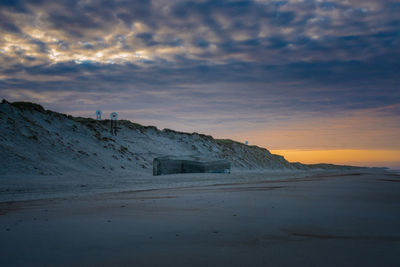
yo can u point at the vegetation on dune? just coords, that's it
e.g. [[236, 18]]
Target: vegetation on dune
[[28, 106], [226, 142], [82, 120], [230, 143], [208, 137], [136, 126]]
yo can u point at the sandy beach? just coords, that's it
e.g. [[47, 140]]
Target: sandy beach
[[329, 219]]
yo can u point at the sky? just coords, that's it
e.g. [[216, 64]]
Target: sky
[[314, 80]]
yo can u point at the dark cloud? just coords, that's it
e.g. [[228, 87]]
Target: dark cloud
[[41, 46], [282, 18], [14, 5], [147, 38], [8, 27]]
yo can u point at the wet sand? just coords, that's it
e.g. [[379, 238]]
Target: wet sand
[[325, 220]]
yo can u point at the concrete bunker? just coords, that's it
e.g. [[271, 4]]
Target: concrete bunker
[[189, 164]]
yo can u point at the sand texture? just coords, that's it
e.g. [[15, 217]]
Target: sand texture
[[348, 219]]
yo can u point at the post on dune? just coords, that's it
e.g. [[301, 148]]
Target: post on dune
[[114, 119], [98, 115]]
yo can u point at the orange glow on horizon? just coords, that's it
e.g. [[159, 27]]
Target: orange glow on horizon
[[378, 158]]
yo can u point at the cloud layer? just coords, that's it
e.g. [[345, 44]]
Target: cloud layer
[[212, 66], [208, 32]]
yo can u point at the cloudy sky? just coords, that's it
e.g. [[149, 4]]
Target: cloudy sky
[[292, 76]]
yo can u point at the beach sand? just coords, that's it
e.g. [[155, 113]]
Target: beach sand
[[323, 220]]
